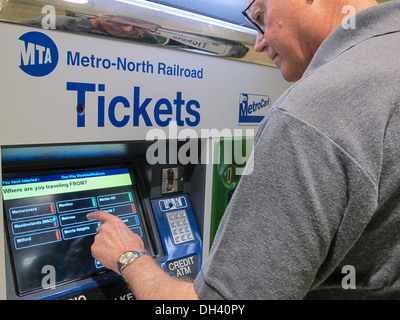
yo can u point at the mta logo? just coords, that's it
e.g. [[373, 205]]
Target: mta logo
[[39, 54], [253, 108]]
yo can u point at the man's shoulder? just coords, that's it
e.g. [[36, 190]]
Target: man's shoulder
[[360, 82]]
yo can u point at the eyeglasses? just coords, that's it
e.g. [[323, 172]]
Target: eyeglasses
[[246, 15]]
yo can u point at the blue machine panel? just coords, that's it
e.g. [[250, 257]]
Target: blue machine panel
[[179, 234]]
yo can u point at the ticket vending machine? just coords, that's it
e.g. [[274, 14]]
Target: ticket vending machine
[[49, 237], [119, 106]]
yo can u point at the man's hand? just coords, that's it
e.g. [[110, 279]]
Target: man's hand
[[145, 277], [113, 239]]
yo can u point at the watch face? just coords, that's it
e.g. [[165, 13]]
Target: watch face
[[126, 257]]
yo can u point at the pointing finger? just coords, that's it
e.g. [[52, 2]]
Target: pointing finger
[[101, 216]]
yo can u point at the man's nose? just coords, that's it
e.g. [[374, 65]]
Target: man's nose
[[261, 43]]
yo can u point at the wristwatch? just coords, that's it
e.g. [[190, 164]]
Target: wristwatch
[[127, 258]]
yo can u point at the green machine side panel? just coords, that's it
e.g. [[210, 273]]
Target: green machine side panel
[[230, 157]]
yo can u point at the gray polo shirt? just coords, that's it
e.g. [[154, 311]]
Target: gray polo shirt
[[325, 190]]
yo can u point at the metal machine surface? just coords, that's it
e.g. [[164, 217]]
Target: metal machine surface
[[116, 106]]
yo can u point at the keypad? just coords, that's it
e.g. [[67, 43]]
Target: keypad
[[180, 227]]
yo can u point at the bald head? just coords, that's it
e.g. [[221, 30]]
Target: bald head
[[294, 29]]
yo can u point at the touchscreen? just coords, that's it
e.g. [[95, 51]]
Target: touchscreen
[[47, 225]]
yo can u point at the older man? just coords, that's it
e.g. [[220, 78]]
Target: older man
[[322, 220]]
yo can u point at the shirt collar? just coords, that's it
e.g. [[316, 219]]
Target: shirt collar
[[374, 21]]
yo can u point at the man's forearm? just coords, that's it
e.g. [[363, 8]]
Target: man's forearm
[[149, 282]]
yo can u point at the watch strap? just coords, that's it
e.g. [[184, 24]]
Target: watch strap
[[136, 254]]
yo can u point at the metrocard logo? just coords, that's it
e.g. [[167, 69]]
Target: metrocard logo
[[39, 54], [253, 108]]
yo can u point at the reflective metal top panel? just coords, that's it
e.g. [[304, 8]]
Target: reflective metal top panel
[[225, 10], [199, 29]]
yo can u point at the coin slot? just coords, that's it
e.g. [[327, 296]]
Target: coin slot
[[170, 180]]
